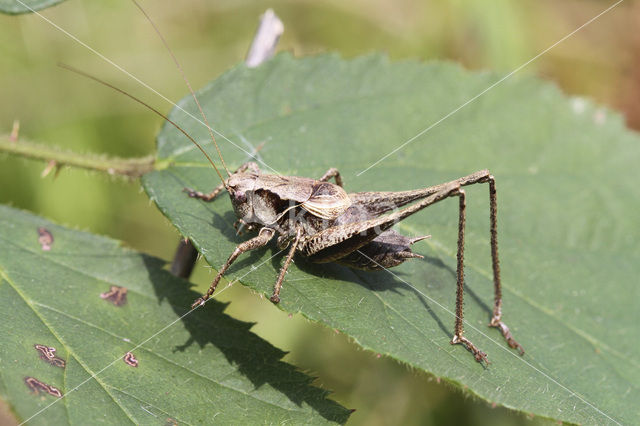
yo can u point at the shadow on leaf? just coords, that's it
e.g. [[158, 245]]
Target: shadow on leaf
[[252, 356]]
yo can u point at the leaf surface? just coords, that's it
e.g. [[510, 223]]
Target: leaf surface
[[190, 369], [567, 178]]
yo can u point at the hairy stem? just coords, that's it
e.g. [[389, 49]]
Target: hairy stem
[[131, 167]]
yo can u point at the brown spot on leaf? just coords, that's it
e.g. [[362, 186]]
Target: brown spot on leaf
[[36, 386], [58, 362], [130, 359], [45, 238], [48, 353], [116, 295], [170, 422]]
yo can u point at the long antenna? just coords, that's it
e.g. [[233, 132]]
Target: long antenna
[[84, 74], [184, 77]]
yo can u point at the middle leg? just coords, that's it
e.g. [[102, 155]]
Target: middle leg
[[332, 173], [275, 297]]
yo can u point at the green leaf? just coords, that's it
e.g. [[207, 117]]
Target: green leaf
[[191, 368], [567, 191], [14, 7]]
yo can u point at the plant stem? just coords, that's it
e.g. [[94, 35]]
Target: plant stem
[[130, 167]]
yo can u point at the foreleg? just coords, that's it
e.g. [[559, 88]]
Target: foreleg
[[210, 196], [263, 237]]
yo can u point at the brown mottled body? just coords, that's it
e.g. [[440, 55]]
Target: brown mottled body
[[320, 221]]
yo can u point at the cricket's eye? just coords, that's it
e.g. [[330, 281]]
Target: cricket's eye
[[240, 196]]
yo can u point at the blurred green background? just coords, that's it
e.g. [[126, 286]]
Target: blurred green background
[[602, 61]]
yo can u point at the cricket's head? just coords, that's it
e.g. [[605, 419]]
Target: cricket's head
[[253, 201], [240, 187]]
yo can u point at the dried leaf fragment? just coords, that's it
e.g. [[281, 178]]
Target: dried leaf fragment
[[116, 295], [45, 238]]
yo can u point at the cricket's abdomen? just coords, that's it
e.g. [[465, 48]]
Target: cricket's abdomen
[[359, 239], [387, 250]]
